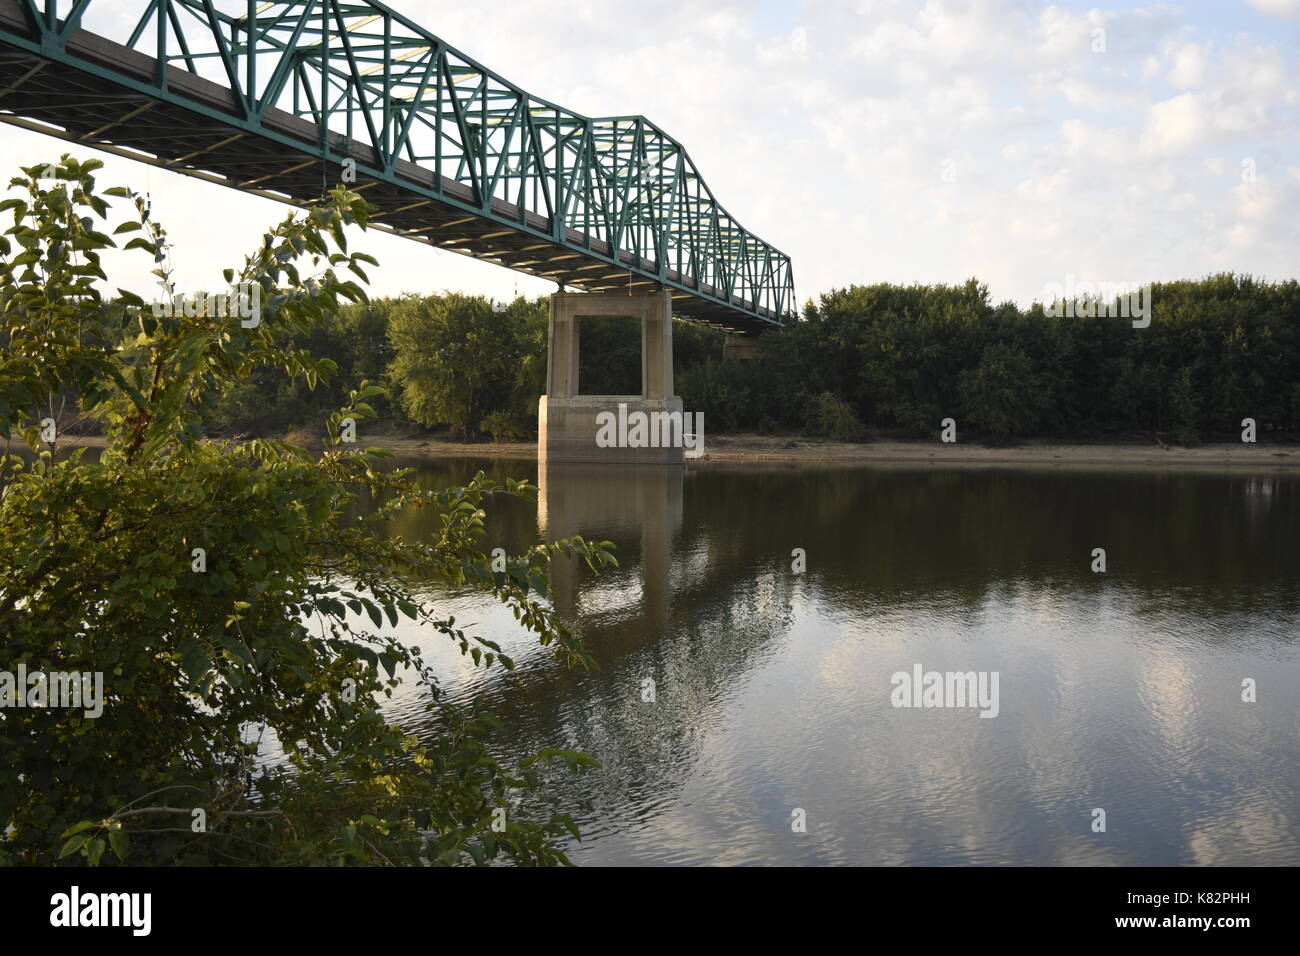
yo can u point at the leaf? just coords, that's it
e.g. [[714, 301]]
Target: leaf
[[95, 850], [73, 845], [236, 648], [195, 658], [120, 842]]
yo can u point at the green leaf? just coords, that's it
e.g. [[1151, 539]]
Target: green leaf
[[120, 842], [196, 660], [95, 850], [76, 828], [73, 845], [236, 648]]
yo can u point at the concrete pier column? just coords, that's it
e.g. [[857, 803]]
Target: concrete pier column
[[569, 421], [741, 348], [562, 353], [657, 346]]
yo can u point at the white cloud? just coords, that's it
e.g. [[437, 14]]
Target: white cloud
[[1188, 67], [1051, 188], [1097, 144], [1255, 200], [1286, 9], [1176, 125]]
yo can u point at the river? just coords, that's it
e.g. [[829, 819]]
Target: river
[[744, 707]]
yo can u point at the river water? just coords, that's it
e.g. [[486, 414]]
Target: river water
[[772, 736]]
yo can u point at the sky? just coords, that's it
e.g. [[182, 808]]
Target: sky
[[1017, 142]]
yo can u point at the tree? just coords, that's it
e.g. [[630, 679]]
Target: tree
[[216, 587], [1185, 407], [455, 360], [1000, 395]]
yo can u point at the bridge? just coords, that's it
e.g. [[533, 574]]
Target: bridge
[[275, 98]]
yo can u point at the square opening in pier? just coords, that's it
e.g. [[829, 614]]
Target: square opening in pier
[[609, 355]]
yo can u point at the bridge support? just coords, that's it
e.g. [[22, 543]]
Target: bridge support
[[577, 427], [741, 348]]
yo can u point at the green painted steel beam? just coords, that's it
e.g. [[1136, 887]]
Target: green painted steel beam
[[608, 188]]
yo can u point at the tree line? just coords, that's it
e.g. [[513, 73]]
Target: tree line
[[903, 358], [880, 359]]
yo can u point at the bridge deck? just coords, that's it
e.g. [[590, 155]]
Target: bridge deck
[[281, 160]]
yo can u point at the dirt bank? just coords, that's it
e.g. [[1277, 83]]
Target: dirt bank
[[768, 448], [793, 449]]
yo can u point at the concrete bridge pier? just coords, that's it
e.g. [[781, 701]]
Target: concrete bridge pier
[[570, 423], [741, 348]]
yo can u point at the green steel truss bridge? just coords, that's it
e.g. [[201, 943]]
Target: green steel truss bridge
[[273, 98]]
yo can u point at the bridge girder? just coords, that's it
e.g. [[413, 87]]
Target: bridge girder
[[271, 97]]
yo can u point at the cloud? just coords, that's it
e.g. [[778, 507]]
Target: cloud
[[1188, 68], [1286, 9], [1177, 125]]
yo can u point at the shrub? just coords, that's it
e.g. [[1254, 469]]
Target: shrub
[[502, 428], [831, 417], [218, 588]]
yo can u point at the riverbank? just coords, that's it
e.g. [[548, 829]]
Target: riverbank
[[798, 449], [1109, 454]]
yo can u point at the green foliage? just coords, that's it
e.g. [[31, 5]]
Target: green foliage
[[270, 401], [609, 355], [457, 360], [286, 629], [900, 357], [722, 390], [905, 357], [1185, 407], [504, 429], [829, 416], [1000, 396]]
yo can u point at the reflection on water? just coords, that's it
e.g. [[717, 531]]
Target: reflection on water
[[1119, 691]]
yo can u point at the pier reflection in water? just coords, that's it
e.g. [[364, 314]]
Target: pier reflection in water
[[614, 501]]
